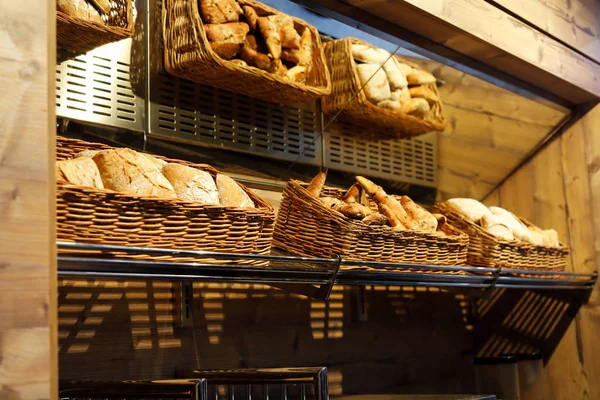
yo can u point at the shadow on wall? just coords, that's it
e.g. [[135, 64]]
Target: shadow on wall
[[414, 340]]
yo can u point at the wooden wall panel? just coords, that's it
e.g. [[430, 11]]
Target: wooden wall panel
[[28, 368], [561, 179]]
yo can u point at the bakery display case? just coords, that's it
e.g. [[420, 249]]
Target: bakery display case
[[239, 191]]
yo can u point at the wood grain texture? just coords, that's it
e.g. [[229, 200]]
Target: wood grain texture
[[28, 359], [574, 23], [472, 27], [562, 179]]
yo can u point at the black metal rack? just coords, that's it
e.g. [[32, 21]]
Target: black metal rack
[[316, 275]]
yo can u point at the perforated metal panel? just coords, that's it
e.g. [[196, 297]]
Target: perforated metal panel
[[411, 161], [185, 111], [96, 87]]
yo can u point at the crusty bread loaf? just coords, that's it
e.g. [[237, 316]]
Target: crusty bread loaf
[[495, 225], [303, 55], [288, 35], [272, 36], [251, 17], [160, 164], [421, 219], [231, 194], [79, 9], [472, 209], [226, 39], [191, 183], [79, 171], [128, 171], [375, 82], [87, 153], [219, 11]]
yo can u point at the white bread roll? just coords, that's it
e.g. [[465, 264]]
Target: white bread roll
[[368, 54], [192, 184], [518, 229], [375, 82], [496, 226], [470, 208]]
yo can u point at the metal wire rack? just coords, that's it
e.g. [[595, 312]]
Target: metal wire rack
[[316, 275], [176, 389]]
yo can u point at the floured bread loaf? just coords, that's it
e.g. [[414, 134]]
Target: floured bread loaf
[[470, 208], [160, 164], [125, 170], [87, 153], [192, 184], [375, 82], [231, 194], [496, 226], [518, 229], [79, 171]]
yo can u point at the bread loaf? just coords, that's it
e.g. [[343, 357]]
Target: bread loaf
[[251, 56], [288, 35], [495, 226], [79, 9], [416, 107], [87, 153], [192, 184], [219, 11], [160, 164], [374, 81], [518, 229], [472, 209], [402, 96], [226, 39], [231, 194], [303, 55], [79, 171], [421, 219], [270, 33], [251, 17], [420, 77], [128, 171]]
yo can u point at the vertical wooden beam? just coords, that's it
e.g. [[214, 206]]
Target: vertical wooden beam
[[28, 349]]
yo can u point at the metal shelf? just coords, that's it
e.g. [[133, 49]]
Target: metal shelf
[[320, 274]]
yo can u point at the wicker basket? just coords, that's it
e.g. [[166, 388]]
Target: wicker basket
[[189, 55], [347, 97], [81, 36], [486, 250], [92, 215], [305, 226]]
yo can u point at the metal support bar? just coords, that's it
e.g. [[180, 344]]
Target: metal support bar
[[183, 304], [325, 290]]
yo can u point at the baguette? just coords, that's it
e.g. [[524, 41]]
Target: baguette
[[303, 55], [381, 197], [393, 220], [316, 184], [251, 17], [375, 219], [332, 203], [421, 219], [352, 194], [288, 35], [259, 60], [355, 210]]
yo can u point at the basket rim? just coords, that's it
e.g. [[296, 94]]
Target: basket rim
[[215, 59], [265, 206], [363, 102], [446, 209], [126, 31], [375, 229]]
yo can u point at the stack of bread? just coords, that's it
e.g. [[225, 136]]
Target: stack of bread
[[392, 84], [87, 10], [127, 171], [502, 223], [403, 214], [246, 36]]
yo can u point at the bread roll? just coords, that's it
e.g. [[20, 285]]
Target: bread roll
[[420, 77], [550, 238], [79, 9], [390, 105], [219, 11], [421, 219], [416, 107], [128, 171], [368, 54], [79, 171], [231, 194], [425, 93], [272, 36], [518, 229], [536, 236], [495, 226], [374, 81], [406, 69], [192, 184], [302, 56], [401, 96], [472, 209], [251, 17], [394, 73]]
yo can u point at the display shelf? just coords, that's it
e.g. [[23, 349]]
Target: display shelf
[[116, 262]]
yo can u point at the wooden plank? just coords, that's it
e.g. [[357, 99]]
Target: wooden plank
[[28, 365], [512, 193], [575, 23], [471, 27]]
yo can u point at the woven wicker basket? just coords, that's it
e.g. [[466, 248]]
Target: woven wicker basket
[[486, 250], [189, 55], [305, 226], [103, 216], [81, 36], [347, 97]]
